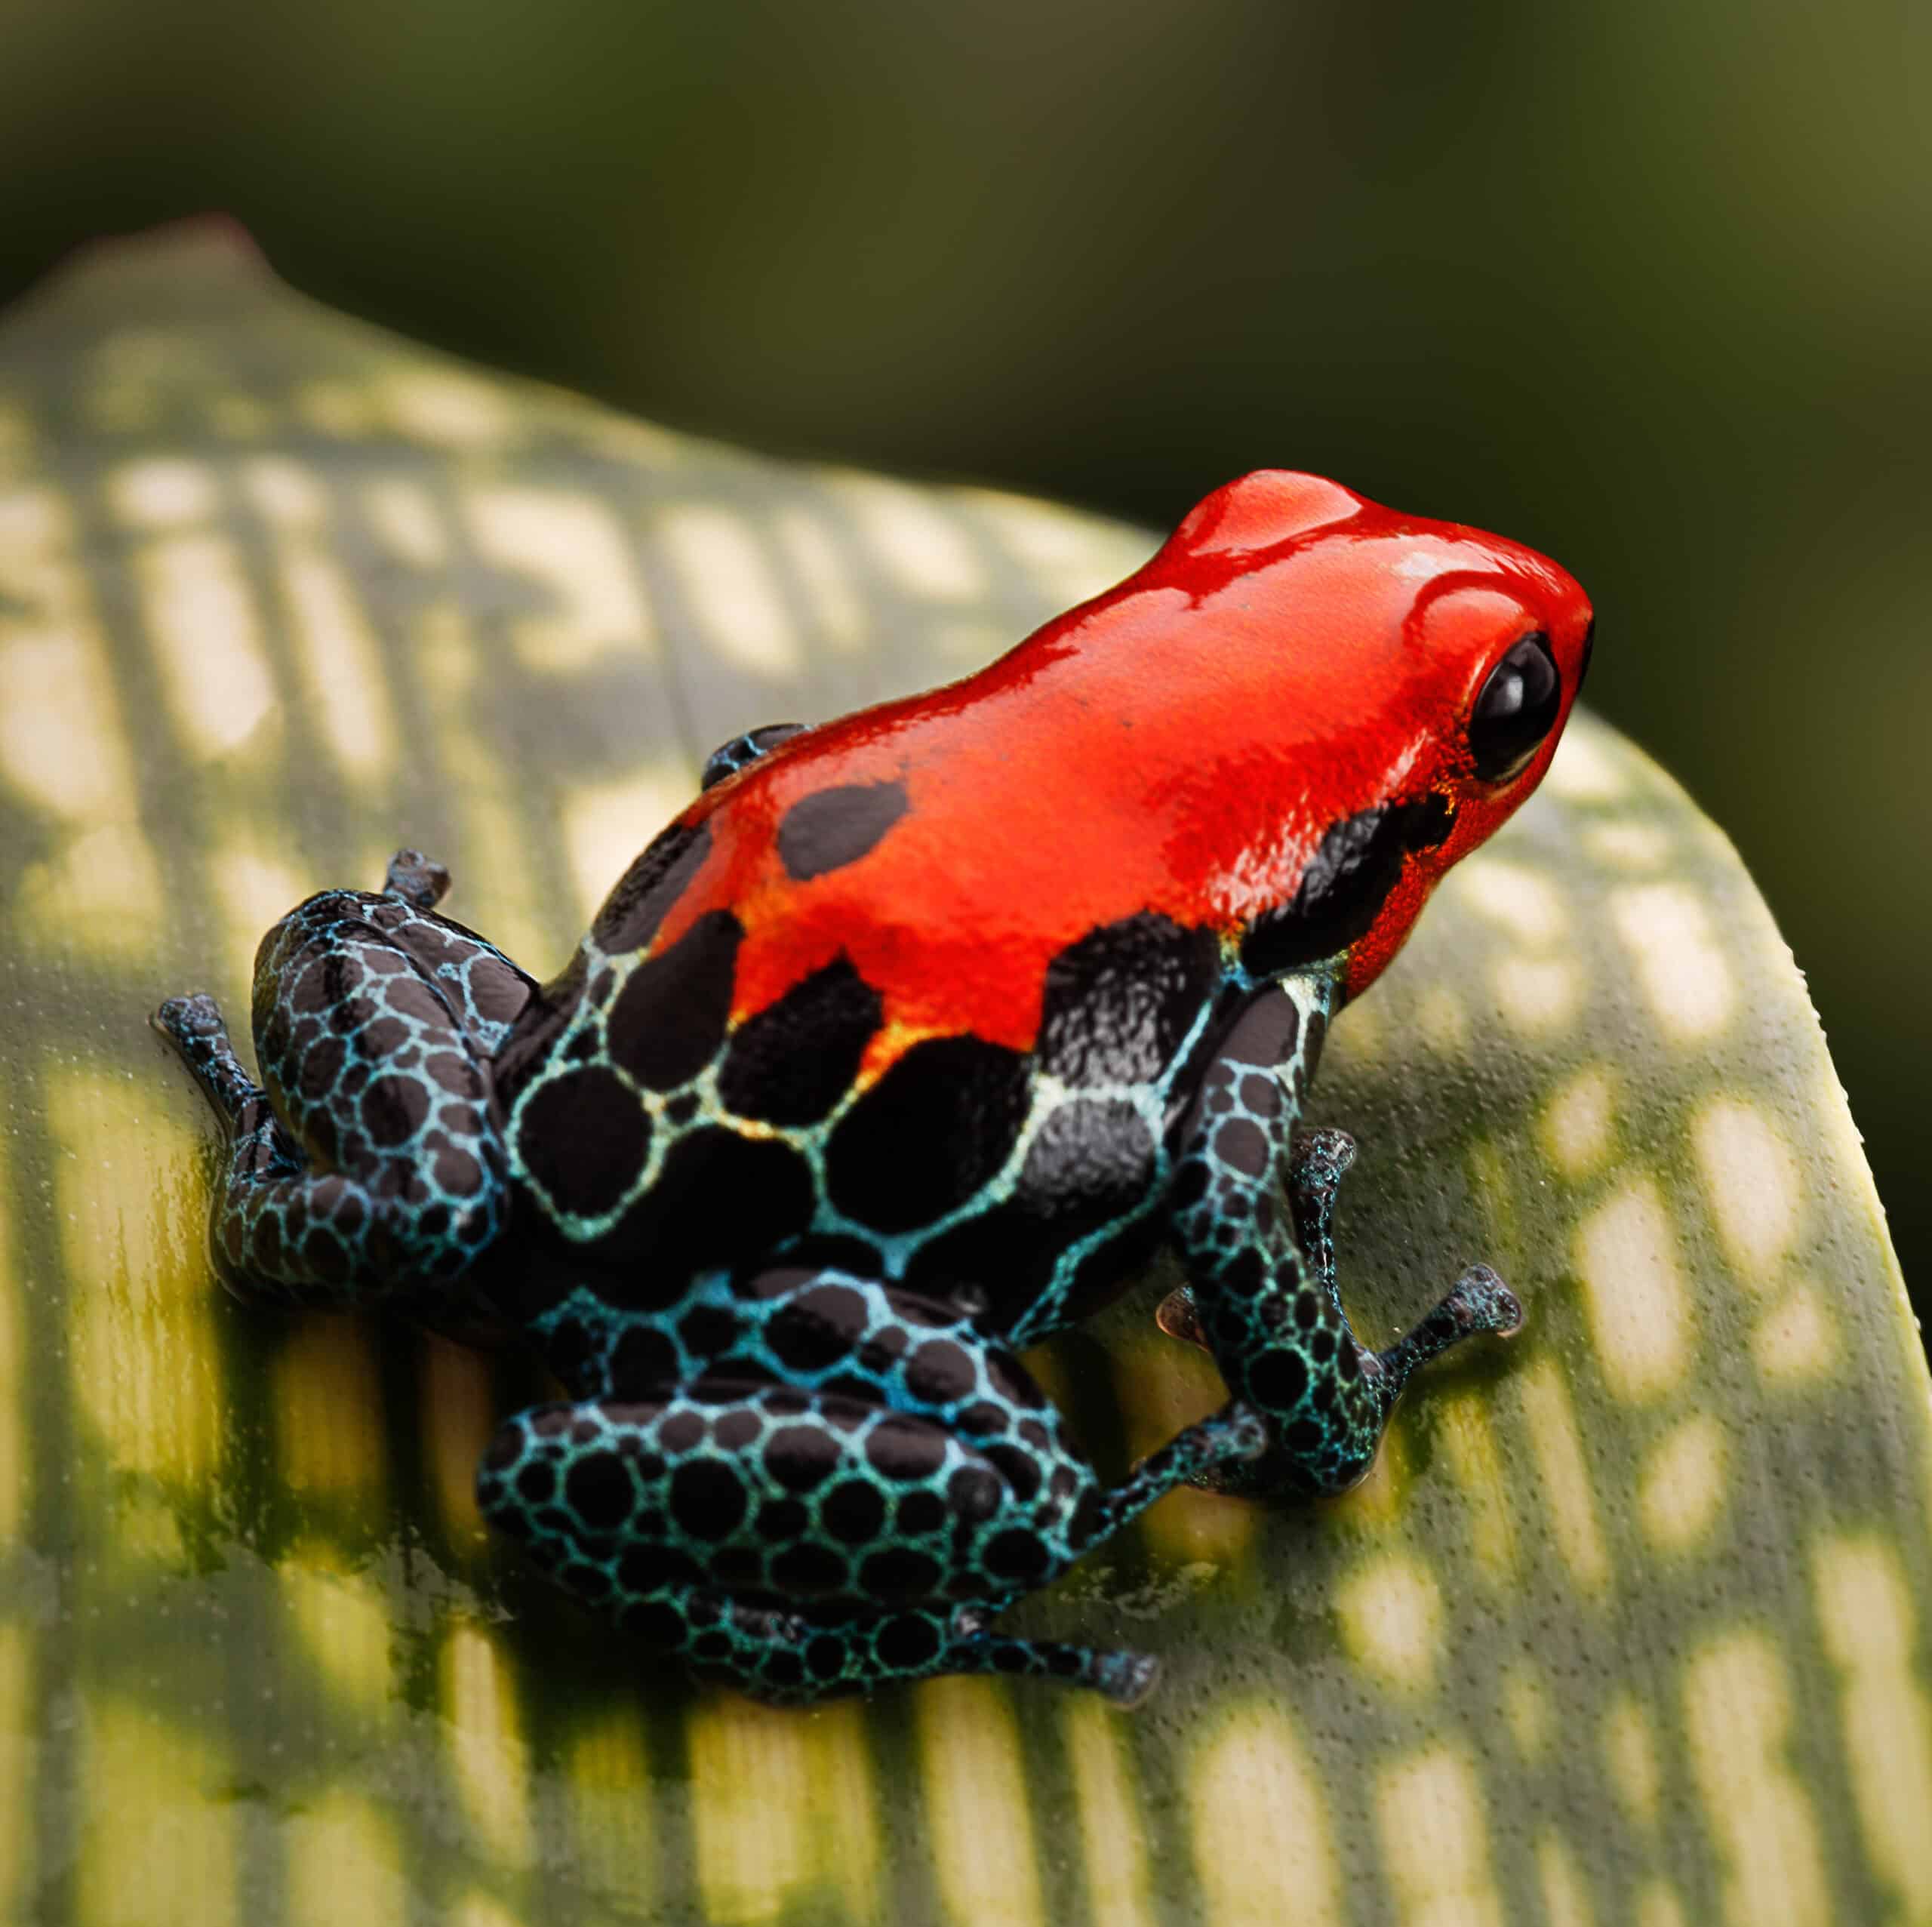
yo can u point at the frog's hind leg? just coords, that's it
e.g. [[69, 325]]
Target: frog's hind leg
[[877, 1541], [367, 1162]]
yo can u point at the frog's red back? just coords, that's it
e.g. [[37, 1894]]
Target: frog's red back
[[1293, 659]]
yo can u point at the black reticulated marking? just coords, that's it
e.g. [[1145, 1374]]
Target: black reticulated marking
[[973, 1493], [707, 1498], [998, 1252], [644, 1359], [1277, 1380], [1262, 1095], [933, 1130], [831, 828], [719, 1200], [708, 1331], [1346, 884], [800, 1458], [939, 1373], [808, 1568], [794, 1060], [598, 1489], [803, 1341], [919, 1512], [669, 1018], [682, 1432], [392, 1108], [646, 891], [1264, 1031], [906, 1448], [852, 1510], [1239, 1144], [1090, 1161], [583, 1138], [1017, 1555], [899, 1574], [1020, 1469], [1119, 1003]]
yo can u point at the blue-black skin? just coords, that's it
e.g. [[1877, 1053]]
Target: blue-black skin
[[798, 1449]]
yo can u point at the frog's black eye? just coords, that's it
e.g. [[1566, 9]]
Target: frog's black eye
[[1516, 710]]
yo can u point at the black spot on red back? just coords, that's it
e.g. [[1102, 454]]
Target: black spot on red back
[[646, 891], [719, 1199], [1090, 1162], [669, 1018], [795, 1060], [1119, 1003], [929, 1134], [583, 1138], [831, 828]]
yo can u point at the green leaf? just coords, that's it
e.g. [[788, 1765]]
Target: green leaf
[[1628, 1625]]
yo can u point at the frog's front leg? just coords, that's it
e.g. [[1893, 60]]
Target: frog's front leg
[[863, 1525], [1264, 1296], [1317, 1162], [370, 1163]]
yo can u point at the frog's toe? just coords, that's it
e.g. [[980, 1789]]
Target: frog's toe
[[184, 1019], [1245, 1437], [1485, 1303], [1127, 1678], [1326, 1151], [1179, 1317], [419, 881]]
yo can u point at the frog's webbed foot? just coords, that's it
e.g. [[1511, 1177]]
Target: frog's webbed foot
[[1330, 1445], [1479, 1302], [419, 880]]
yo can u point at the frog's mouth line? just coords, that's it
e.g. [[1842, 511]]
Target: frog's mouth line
[[1348, 880]]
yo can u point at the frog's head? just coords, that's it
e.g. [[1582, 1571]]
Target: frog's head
[[1415, 676]]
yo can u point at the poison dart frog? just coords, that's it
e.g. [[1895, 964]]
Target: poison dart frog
[[903, 1047]]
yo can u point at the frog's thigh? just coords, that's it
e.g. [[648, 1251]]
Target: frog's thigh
[[799, 1495], [886, 1539], [381, 1086]]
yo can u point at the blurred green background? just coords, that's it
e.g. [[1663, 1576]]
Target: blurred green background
[[1644, 284]]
